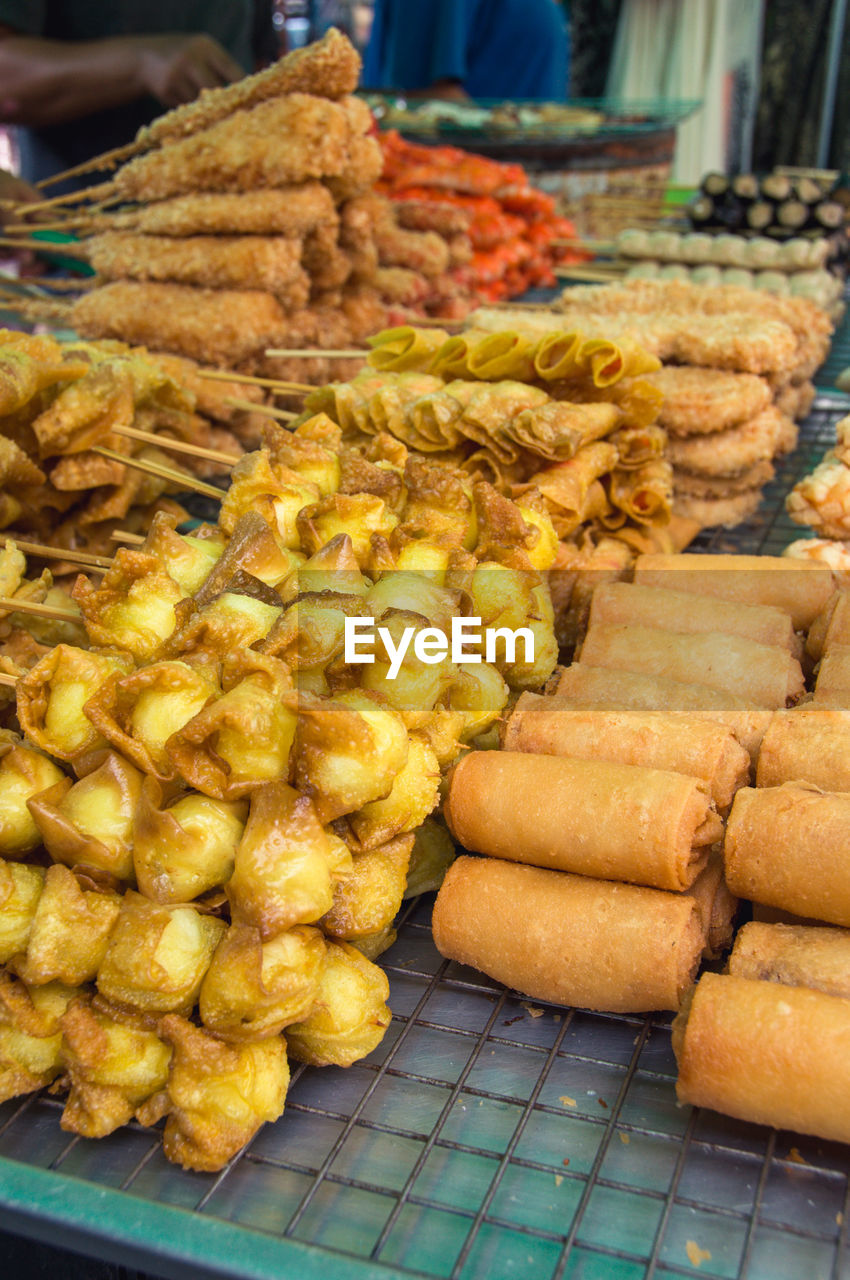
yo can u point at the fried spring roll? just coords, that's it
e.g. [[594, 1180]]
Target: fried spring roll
[[619, 603], [832, 687], [787, 847], [569, 939], [801, 588], [582, 686], [681, 744], [716, 906], [612, 821], [795, 955], [807, 744], [765, 676], [766, 1053]]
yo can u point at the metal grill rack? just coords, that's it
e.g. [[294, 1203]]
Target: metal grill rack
[[487, 1136]]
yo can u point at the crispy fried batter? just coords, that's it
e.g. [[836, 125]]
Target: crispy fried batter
[[698, 401], [270, 263], [728, 453]]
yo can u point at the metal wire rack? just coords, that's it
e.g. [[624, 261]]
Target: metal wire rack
[[487, 1136]]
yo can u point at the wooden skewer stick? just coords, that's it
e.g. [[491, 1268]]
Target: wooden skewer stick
[[180, 478], [71, 197], [106, 160], [177, 446], [10, 605], [8, 681], [266, 409], [42, 246], [124, 535], [278, 384], [588, 273], [60, 553], [308, 353]]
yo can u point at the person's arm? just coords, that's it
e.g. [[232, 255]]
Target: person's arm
[[45, 82]]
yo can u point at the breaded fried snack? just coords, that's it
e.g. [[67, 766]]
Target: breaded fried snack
[[795, 955], [807, 744]]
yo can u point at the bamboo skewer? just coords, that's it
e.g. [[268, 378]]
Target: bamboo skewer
[[8, 681], [308, 353], [177, 446], [597, 274], [41, 246], [250, 379], [106, 160], [124, 535], [182, 479], [82, 558], [283, 414], [71, 197], [11, 605]]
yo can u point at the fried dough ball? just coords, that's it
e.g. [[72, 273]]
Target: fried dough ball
[[133, 607], [138, 713], [20, 890], [157, 955], [285, 863], [219, 1094], [415, 793], [350, 1015], [23, 774], [253, 989], [115, 1062], [70, 931], [30, 1035], [183, 851], [90, 823], [348, 750], [432, 854], [53, 693], [243, 739], [368, 899], [360, 515]]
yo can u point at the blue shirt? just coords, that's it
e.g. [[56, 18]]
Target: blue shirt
[[494, 48]]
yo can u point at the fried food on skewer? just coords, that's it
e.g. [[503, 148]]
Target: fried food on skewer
[[282, 211], [270, 263]]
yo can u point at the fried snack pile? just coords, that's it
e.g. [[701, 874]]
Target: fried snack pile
[[498, 232], [726, 429], [58, 401], [210, 823], [822, 498]]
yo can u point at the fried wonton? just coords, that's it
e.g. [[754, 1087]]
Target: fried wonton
[[20, 890], [350, 1015], [52, 694], [70, 930], [253, 989], [182, 851], [30, 1034], [89, 824], [23, 774]]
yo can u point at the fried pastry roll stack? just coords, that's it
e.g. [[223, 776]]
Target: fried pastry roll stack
[[787, 847], [613, 821], [569, 939], [795, 955], [800, 588], [807, 744], [717, 907], [765, 676], [766, 1053], [832, 687], [681, 744]]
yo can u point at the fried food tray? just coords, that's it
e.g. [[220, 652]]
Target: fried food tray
[[487, 1136]]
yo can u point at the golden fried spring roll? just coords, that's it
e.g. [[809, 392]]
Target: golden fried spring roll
[[787, 847], [403, 348], [767, 1054], [621, 603], [582, 686], [643, 493], [765, 676], [566, 485], [832, 687], [806, 744], [569, 939], [717, 907], [682, 744], [23, 774], [801, 588], [795, 955], [613, 821], [557, 356]]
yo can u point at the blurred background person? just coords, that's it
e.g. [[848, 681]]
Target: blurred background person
[[78, 77], [468, 49]]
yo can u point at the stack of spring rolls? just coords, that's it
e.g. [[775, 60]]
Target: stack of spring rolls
[[607, 876]]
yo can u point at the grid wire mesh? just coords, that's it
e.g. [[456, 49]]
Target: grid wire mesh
[[492, 1136]]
